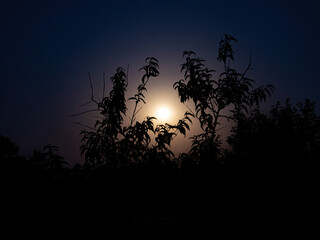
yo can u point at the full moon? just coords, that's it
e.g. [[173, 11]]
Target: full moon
[[163, 114]]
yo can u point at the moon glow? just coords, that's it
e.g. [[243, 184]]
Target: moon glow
[[163, 114]]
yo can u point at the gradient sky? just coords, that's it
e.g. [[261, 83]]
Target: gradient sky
[[47, 49]]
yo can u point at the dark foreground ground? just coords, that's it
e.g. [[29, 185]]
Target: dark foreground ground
[[220, 201]]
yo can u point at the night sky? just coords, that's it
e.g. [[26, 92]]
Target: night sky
[[48, 48]]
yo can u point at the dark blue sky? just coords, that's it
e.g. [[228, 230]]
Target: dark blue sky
[[47, 49]]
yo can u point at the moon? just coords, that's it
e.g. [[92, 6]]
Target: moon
[[163, 114]]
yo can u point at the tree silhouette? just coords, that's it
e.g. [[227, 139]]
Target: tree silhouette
[[273, 156], [111, 144], [100, 144], [288, 134], [228, 97], [8, 149]]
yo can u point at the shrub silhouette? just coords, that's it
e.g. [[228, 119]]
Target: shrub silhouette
[[8, 149], [48, 158]]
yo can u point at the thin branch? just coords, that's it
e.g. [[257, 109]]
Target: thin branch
[[189, 109], [83, 125], [90, 85], [99, 117], [77, 114], [213, 103], [176, 134], [221, 128], [82, 105], [138, 111], [92, 97], [248, 67], [104, 84], [133, 114], [146, 81], [216, 119], [128, 74], [133, 118], [224, 116]]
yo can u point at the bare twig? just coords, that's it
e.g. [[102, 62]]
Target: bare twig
[[189, 109], [82, 105], [221, 128], [98, 117], [92, 97], [77, 114], [138, 111], [248, 67], [104, 84], [90, 85], [128, 74], [176, 134], [133, 114], [224, 116], [83, 125]]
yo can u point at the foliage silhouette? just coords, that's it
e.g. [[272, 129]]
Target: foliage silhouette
[[100, 144], [289, 133], [110, 144], [28, 186], [8, 148], [228, 97], [273, 156]]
